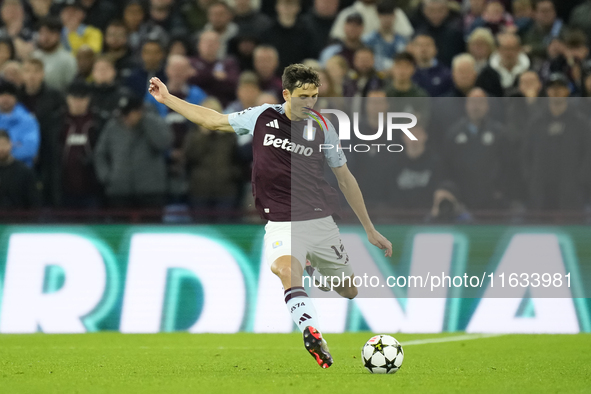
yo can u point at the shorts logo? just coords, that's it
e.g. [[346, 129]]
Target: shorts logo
[[277, 244]]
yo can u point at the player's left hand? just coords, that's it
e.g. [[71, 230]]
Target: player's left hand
[[380, 241]]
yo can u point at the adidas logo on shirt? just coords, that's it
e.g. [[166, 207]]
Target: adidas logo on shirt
[[274, 124]]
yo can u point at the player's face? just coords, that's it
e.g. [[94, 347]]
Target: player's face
[[300, 98]]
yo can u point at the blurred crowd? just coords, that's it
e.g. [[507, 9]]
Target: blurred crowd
[[78, 129]]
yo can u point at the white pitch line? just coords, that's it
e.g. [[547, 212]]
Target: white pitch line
[[465, 337]]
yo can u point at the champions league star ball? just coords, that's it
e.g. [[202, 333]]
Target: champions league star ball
[[382, 354]]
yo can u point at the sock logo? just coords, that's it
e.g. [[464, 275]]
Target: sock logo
[[293, 308], [304, 317]]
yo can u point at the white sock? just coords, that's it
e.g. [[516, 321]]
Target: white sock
[[301, 308]]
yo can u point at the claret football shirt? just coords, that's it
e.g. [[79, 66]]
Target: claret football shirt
[[288, 168]]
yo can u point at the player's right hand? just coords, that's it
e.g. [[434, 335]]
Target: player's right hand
[[158, 89]]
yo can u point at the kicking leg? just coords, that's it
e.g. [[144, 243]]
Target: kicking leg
[[301, 308]]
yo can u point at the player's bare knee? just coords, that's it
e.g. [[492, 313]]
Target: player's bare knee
[[286, 268]]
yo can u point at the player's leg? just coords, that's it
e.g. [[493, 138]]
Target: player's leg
[[347, 288], [329, 258], [301, 308], [286, 256]]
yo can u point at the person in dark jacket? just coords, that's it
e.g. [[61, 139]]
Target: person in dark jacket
[[556, 152], [48, 105], [417, 172], [152, 56], [18, 189], [106, 92], [130, 157], [288, 35], [473, 154], [80, 187], [214, 170]]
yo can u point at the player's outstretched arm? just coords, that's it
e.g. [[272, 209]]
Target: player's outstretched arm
[[350, 188], [202, 116]]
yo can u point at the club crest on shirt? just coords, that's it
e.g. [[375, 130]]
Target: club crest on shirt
[[277, 244], [309, 133]]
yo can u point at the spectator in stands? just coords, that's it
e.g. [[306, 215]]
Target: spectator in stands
[[117, 48], [571, 61], [247, 93], [181, 45], [140, 30], [580, 18], [436, 20], [556, 152], [402, 83], [383, 41], [105, 92], [250, 22], [350, 43], [15, 28], [547, 26], [36, 11], [266, 61], [510, 61], [79, 185], [48, 106], [481, 45], [195, 13], [495, 18], [85, 58], [521, 108], [130, 157], [18, 190], [219, 19], [214, 170], [12, 72], [75, 33], [416, 173], [153, 55], [465, 77], [59, 64], [319, 20], [6, 50], [99, 13], [218, 77], [363, 77], [523, 15], [178, 72], [473, 154], [475, 11], [288, 35], [164, 14], [19, 123], [364, 164], [337, 68], [430, 74], [242, 49], [368, 11]]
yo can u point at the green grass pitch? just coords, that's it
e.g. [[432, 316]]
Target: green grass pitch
[[262, 363]]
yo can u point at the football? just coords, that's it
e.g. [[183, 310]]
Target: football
[[382, 354]]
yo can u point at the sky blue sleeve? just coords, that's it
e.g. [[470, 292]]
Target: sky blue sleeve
[[335, 156], [243, 122]]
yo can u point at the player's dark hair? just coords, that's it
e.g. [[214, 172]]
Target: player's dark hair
[[297, 75]]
